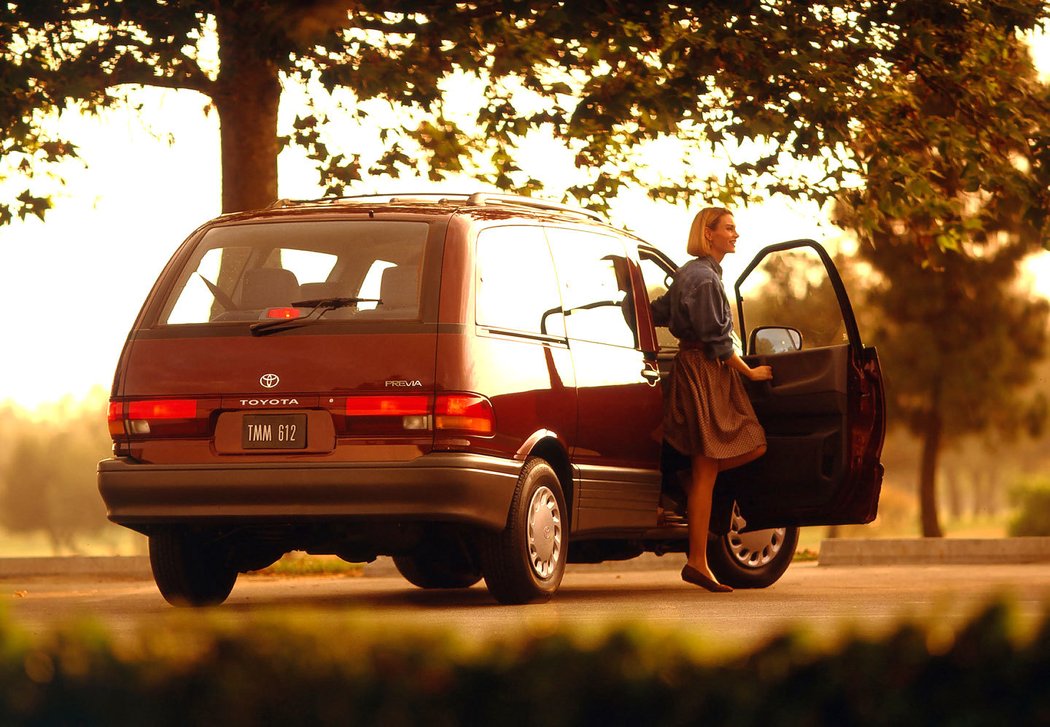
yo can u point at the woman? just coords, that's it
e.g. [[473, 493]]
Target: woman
[[708, 415]]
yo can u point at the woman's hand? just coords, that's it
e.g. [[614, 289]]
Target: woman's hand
[[760, 373]]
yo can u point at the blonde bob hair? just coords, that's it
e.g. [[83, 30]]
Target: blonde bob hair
[[706, 219]]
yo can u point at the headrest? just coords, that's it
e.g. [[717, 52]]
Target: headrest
[[312, 291], [268, 288], [399, 288]]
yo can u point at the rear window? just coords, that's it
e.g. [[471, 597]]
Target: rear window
[[262, 271]]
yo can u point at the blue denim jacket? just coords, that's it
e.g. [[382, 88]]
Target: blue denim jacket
[[696, 309]]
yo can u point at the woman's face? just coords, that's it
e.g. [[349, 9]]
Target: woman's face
[[723, 236]]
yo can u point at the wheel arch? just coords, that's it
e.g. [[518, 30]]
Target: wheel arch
[[551, 450]]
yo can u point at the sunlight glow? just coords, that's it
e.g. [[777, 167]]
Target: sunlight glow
[[152, 175]]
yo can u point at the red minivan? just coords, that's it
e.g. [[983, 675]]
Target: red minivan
[[472, 385]]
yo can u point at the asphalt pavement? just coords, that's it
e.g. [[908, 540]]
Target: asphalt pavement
[[833, 552], [825, 603]]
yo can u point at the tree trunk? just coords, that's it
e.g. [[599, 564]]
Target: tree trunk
[[931, 444], [955, 495], [980, 486], [248, 92], [995, 491]]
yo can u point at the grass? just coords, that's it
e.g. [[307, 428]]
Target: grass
[[302, 564]]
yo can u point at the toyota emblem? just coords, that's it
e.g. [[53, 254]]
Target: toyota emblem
[[269, 381]]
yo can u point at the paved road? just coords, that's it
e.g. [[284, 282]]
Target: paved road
[[826, 602]]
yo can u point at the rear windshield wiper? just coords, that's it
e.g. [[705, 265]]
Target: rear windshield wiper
[[318, 306]]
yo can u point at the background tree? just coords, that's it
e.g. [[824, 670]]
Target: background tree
[[958, 346], [47, 477], [755, 81], [957, 164]]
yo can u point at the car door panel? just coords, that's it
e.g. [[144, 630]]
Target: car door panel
[[803, 411], [824, 416], [616, 454]]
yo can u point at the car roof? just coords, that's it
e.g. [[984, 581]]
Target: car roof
[[478, 204]]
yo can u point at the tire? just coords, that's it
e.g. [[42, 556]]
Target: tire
[[525, 562], [444, 563], [751, 560], [188, 571]]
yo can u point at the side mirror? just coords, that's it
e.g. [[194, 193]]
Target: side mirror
[[774, 339]]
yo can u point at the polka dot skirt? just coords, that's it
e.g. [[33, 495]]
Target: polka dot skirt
[[707, 409]]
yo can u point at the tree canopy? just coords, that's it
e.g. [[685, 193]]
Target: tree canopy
[[778, 88], [956, 158]]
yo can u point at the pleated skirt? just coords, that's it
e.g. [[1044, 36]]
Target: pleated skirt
[[707, 410]]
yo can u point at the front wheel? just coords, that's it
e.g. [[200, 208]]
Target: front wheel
[[751, 560], [188, 570], [524, 563]]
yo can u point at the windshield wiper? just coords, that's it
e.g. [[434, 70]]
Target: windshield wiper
[[318, 306]]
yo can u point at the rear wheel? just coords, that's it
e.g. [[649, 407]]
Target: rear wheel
[[188, 570], [525, 562], [440, 563], [754, 559]]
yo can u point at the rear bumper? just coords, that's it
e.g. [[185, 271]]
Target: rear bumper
[[444, 487]]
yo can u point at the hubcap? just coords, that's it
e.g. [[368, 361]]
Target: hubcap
[[544, 533], [754, 549]]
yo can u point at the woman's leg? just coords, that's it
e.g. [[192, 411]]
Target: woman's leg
[[741, 459], [698, 509]]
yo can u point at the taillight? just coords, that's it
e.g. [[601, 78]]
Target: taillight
[[165, 417], [386, 406], [385, 414], [115, 417], [163, 409], [467, 413]]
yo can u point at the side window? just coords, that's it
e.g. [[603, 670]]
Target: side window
[[595, 286], [516, 286], [657, 280]]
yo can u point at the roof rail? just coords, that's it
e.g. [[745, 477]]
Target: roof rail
[[479, 199], [482, 198], [395, 197]]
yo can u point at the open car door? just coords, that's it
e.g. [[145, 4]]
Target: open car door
[[824, 410]]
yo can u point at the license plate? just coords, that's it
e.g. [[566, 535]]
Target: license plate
[[274, 431]]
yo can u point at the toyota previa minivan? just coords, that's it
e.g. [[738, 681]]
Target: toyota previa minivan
[[472, 385]]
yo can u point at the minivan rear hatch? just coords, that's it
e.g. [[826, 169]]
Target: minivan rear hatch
[[283, 337]]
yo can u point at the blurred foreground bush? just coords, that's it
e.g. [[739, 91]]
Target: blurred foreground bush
[[291, 673], [1031, 499]]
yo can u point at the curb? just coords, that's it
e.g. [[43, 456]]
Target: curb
[[934, 551], [127, 566]]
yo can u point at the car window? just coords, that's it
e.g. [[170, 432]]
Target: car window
[[657, 280], [371, 284], [308, 266], [596, 286], [516, 286], [792, 289], [240, 272]]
